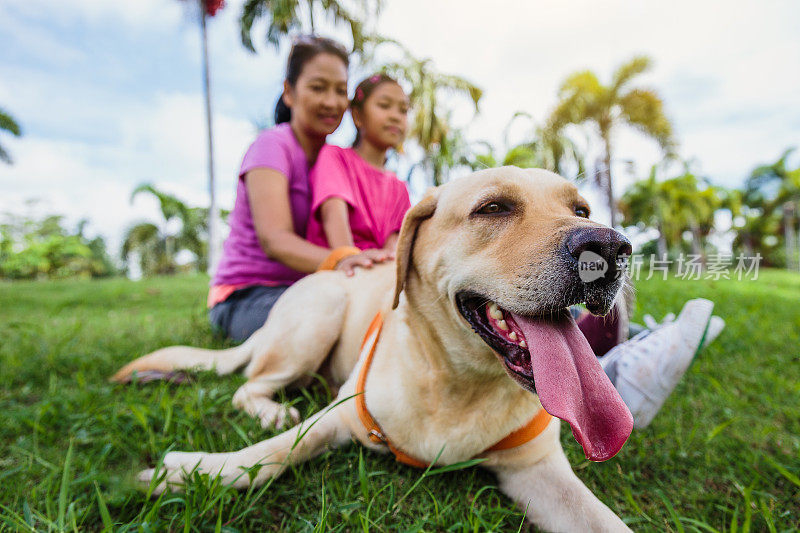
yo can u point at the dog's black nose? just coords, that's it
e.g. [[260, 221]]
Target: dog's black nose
[[592, 247]]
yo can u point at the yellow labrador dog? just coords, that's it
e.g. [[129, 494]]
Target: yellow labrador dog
[[476, 338]]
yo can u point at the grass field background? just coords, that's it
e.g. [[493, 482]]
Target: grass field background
[[723, 454]]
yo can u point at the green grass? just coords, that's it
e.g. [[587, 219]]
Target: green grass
[[723, 455]]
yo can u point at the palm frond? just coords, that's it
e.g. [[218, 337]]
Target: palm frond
[[138, 236], [7, 123], [5, 157], [644, 109], [583, 82], [628, 71], [252, 10]]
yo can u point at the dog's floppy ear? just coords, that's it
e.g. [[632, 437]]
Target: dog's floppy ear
[[408, 234]]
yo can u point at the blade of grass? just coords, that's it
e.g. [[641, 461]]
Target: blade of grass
[[108, 524], [782, 469], [718, 429], [64, 488], [671, 511], [14, 521]]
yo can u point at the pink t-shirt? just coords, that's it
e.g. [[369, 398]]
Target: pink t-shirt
[[377, 200], [243, 262]]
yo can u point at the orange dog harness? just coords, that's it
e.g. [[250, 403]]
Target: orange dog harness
[[526, 433]]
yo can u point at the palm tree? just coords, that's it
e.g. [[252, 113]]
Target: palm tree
[[693, 208], [646, 203], [431, 123], [209, 8], [777, 189], [582, 98], [156, 247], [543, 147], [145, 241], [284, 19], [674, 206], [7, 123], [754, 232]]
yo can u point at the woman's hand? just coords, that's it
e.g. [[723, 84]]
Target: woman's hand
[[364, 260]]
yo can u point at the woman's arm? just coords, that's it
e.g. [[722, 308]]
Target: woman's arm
[[268, 192]]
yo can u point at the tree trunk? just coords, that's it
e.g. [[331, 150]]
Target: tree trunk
[[311, 14], [213, 238], [663, 249], [789, 234], [697, 244], [697, 241], [797, 212], [609, 189]]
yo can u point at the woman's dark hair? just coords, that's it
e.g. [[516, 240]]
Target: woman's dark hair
[[304, 49], [363, 90]]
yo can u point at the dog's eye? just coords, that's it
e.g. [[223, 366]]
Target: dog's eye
[[493, 208], [582, 211]]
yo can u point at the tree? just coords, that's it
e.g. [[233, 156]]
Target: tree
[[673, 206], [33, 247], [693, 202], [284, 19], [431, 126], [541, 147], [7, 123], [646, 204], [582, 99], [755, 234], [776, 189], [209, 8], [156, 247]]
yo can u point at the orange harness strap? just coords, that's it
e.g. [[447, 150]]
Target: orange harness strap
[[526, 433]]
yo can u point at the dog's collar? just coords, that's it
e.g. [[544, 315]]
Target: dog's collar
[[526, 433]]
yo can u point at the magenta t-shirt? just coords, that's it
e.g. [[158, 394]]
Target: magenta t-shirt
[[377, 200], [243, 262]]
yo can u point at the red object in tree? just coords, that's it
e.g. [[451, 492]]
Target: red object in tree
[[212, 6]]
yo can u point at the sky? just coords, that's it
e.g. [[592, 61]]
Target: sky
[[109, 94]]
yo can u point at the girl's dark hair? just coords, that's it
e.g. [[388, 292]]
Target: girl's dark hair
[[363, 90], [304, 49]]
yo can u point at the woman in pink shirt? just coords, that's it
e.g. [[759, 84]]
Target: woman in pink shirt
[[266, 250]]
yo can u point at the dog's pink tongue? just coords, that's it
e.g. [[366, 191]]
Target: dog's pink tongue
[[573, 387]]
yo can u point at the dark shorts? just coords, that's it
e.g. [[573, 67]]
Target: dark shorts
[[244, 311]]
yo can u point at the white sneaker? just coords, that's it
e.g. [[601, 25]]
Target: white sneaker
[[715, 326], [649, 366]]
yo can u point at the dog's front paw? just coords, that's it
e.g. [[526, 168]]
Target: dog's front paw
[[278, 416], [270, 413], [178, 466]]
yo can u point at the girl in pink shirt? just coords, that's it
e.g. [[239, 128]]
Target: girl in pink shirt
[[355, 201]]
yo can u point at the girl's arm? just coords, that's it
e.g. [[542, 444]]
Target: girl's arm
[[391, 243], [268, 192], [336, 222], [336, 225]]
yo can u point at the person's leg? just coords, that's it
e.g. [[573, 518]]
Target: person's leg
[[605, 332], [602, 332], [646, 369], [244, 311]]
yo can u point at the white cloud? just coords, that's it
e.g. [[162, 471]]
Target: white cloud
[[163, 143], [141, 13]]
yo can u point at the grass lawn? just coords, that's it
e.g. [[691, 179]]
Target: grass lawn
[[723, 454]]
